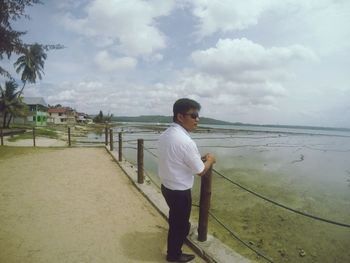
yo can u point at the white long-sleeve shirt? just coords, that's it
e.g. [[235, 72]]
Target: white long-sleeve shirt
[[179, 158]]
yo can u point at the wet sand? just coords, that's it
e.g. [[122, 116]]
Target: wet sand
[[74, 205]]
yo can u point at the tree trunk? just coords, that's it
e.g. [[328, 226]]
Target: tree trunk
[[4, 120], [21, 91], [9, 120]]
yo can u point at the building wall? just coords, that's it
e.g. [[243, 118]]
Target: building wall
[[57, 118], [61, 118], [37, 118], [40, 118]]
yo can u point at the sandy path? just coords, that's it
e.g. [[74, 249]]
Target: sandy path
[[75, 205]]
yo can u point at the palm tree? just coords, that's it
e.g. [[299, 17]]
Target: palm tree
[[10, 103], [31, 64]]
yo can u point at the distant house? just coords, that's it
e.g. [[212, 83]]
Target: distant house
[[61, 115], [37, 114], [83, 118]]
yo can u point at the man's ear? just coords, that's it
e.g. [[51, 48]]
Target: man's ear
[[179, 117]]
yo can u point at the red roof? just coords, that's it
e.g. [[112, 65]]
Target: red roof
[[58, 110]]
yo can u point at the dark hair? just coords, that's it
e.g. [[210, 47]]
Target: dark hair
[[184, 105]]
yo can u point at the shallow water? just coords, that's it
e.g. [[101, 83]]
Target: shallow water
[[307, 172]]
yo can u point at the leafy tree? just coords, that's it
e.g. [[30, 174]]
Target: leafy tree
[[10, 103], [100, 118], [54, 106], [31, 64], [10, 40]]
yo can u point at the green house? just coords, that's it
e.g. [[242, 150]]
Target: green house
[[37, 110]]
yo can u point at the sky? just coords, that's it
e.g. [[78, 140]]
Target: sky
[[253, 61]]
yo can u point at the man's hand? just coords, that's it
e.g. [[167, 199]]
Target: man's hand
[[209, 157], [209, 160]]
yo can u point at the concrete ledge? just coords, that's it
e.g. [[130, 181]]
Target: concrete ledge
[[212, 250]]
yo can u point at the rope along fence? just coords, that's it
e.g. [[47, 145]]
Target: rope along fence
[[265, 198], [258, 195], [70, 134], [268, 199], [281, 205], [220, 222], [131, 145]]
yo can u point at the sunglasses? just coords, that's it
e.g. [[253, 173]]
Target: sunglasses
[[194, 115]]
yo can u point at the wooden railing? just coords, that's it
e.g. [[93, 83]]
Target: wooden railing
[[205, 193]]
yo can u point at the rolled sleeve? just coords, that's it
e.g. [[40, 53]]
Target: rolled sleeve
[[192, 158]]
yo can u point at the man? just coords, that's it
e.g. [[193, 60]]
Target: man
[[179, 160]]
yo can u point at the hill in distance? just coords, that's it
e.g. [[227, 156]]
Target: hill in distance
[[164, 119], [204, 120]]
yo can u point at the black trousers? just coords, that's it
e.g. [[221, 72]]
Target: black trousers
[[179, 203]]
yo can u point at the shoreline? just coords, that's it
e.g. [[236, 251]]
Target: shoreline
[[259, 168]]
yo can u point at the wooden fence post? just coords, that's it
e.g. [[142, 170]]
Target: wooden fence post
[[111, 139], [204, 205], [120, 146], [69, 140], [2, 137], [140, 173], [34, 137], [106, 135]]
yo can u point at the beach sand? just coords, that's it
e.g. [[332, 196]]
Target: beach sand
[[74, 205]]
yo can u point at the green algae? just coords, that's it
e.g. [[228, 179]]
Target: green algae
[[308, 173], [279, 234]]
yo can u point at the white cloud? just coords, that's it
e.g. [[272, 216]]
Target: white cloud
[[154, 58], [242, 60], [237, 76], [65, 96], [240, 76], [107, 63], [254, 61], [208, 86], [69, 4], [128, 26], [224, 15], [318, 23]]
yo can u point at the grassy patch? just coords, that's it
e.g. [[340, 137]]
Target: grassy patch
[[42, 132]]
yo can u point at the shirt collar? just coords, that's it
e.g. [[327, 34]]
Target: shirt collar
[[176, 125]]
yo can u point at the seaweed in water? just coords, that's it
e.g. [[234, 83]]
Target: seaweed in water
[[300, 160], [348, 180]]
